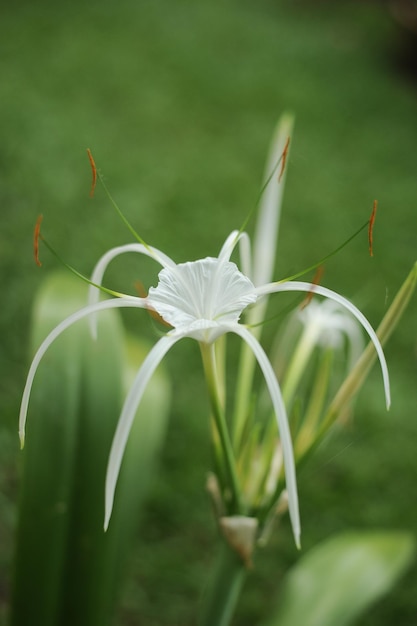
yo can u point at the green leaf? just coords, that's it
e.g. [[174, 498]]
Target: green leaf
[[48, 461], [67, 570], [337, 581]]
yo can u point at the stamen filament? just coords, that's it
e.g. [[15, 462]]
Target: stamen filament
[[97, 174], [281, 160], [284, 159], [371, 227], [109, 292], [325, 258], [120, 213]]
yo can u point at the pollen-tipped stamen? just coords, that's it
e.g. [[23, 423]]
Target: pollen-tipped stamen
[[284, 159], [36, 236], [280, 161], [93, 172]]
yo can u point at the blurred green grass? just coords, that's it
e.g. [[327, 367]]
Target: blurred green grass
[[177, 100]]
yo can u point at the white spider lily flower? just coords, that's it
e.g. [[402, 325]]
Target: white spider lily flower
[[203, 299], [328, 325]]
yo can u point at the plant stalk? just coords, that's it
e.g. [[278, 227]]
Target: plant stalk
[[209, 363], [224, 588]]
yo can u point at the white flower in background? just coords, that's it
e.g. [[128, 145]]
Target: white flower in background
[[203, 299], [329, 325], [325, 325]]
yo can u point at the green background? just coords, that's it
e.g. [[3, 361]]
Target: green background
[[177, 100]]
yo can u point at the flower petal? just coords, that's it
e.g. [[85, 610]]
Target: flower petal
[[202, 291], [281, 415], [127, 415], [328, 293], [245, 255], [103, 262], [72, 319], [229, 245], [241, 238]]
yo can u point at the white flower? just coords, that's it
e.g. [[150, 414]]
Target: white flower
[[200, 297], [203, 300], [329, 325]]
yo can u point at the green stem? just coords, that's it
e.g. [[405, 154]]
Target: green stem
[[299, 362], [209, 363], [307, 432], [224, 588], [243, 393]]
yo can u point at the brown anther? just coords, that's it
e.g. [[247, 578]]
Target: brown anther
[[94, 172], [284, 159], [36, 236], [154, 314], [316, 281]]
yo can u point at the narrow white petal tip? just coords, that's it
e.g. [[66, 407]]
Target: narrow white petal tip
[[107, 515], [106, 520], [296, 531], [387, 387], [22, 439]]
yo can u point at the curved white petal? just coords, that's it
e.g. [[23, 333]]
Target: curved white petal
[[328, 293], [241, 238], [245, 254], [72, 319], [281, 415], [103, 262], [229, 245], [127, 415]]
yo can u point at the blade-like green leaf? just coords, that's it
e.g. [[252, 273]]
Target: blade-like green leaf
[[67, 570], [97, 559], [48, 461], [337, 581]]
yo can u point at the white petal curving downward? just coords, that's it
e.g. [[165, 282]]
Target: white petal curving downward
[[69, 321], [127, 416], [283, 426]]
